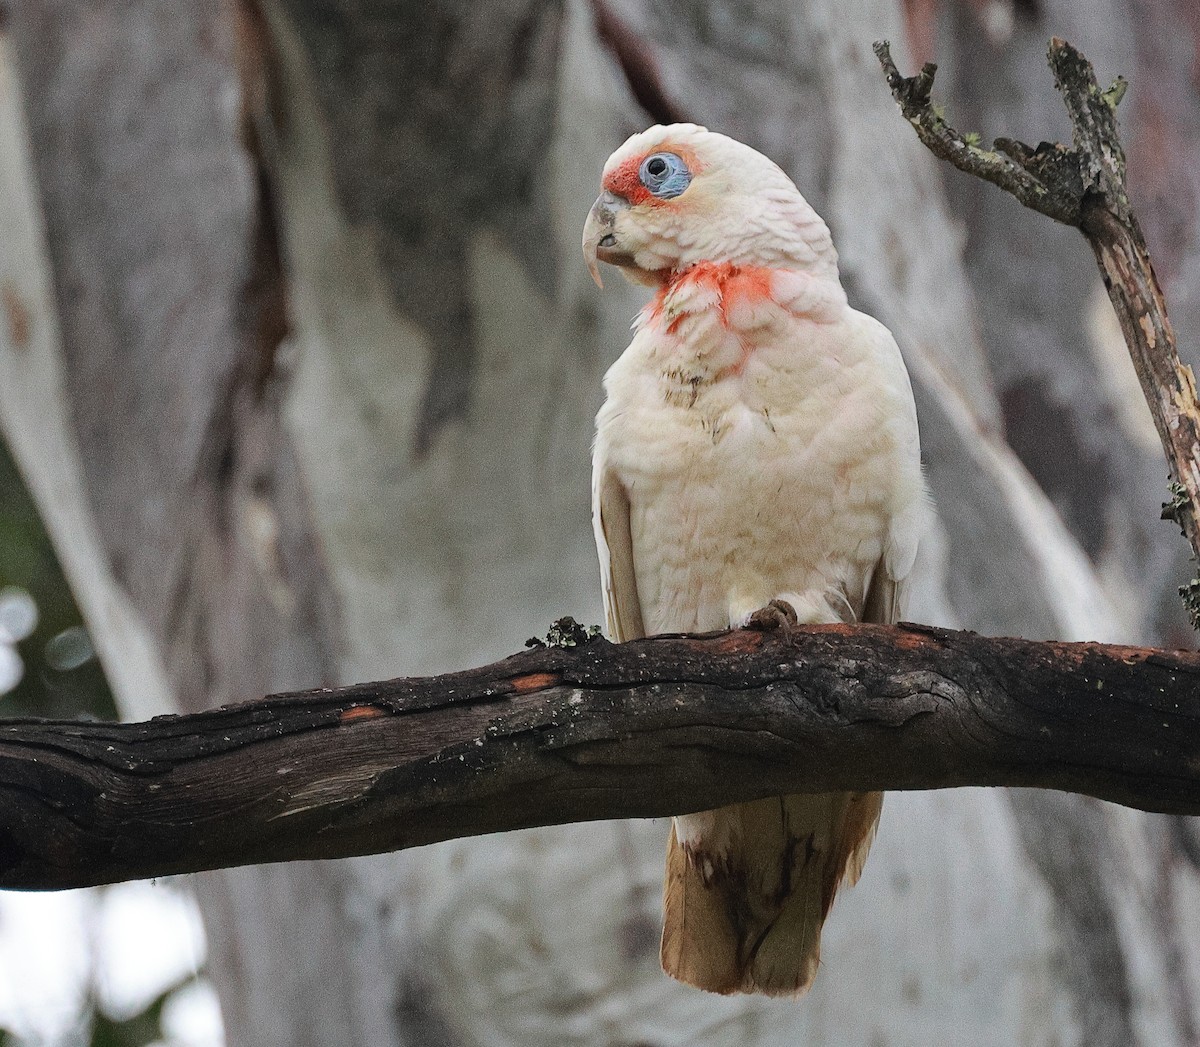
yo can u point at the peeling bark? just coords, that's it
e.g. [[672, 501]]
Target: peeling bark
[[171, 303], [422, 169], [171, 316]]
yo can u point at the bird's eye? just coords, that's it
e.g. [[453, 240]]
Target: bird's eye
[[665, 175]]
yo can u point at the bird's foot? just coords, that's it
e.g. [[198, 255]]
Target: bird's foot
[[778, 614]]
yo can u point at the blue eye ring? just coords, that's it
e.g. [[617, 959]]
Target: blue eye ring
[[665, 175]]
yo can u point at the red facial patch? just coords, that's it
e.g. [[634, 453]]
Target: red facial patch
[[623, 180]]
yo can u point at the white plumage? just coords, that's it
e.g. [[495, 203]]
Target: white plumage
[[758, 442]]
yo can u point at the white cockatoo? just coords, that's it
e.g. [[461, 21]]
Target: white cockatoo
[[756, 462]]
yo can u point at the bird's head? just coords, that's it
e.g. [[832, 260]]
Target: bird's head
[[677, 195]]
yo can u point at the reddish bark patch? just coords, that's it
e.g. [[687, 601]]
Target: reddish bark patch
[[741, 642], [532, 682], [837, 628], [360, 712], [1075, 655], [909, 637]]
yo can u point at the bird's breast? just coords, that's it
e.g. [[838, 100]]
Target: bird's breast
[[747, 436]]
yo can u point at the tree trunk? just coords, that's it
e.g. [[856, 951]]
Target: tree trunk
[[305, 394]]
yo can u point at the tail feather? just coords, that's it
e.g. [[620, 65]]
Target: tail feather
[[748, 888], [699, 944]]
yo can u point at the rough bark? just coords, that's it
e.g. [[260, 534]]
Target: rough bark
[[590, 731], [171, 306]]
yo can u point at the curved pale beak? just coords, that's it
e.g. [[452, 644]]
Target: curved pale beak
[[599, 235]]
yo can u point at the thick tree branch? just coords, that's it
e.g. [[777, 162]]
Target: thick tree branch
[[1084, 185], [655, 727]]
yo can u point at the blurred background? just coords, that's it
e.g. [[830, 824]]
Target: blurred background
[[298, 366]]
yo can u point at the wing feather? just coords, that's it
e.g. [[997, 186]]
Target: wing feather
[[614, 542], [886, 597], [887, 594]]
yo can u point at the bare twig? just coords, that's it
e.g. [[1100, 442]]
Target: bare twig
[[594, 730], [1084, 185]]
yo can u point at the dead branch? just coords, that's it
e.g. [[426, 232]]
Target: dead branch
[[565, 734], [1084, 185]]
